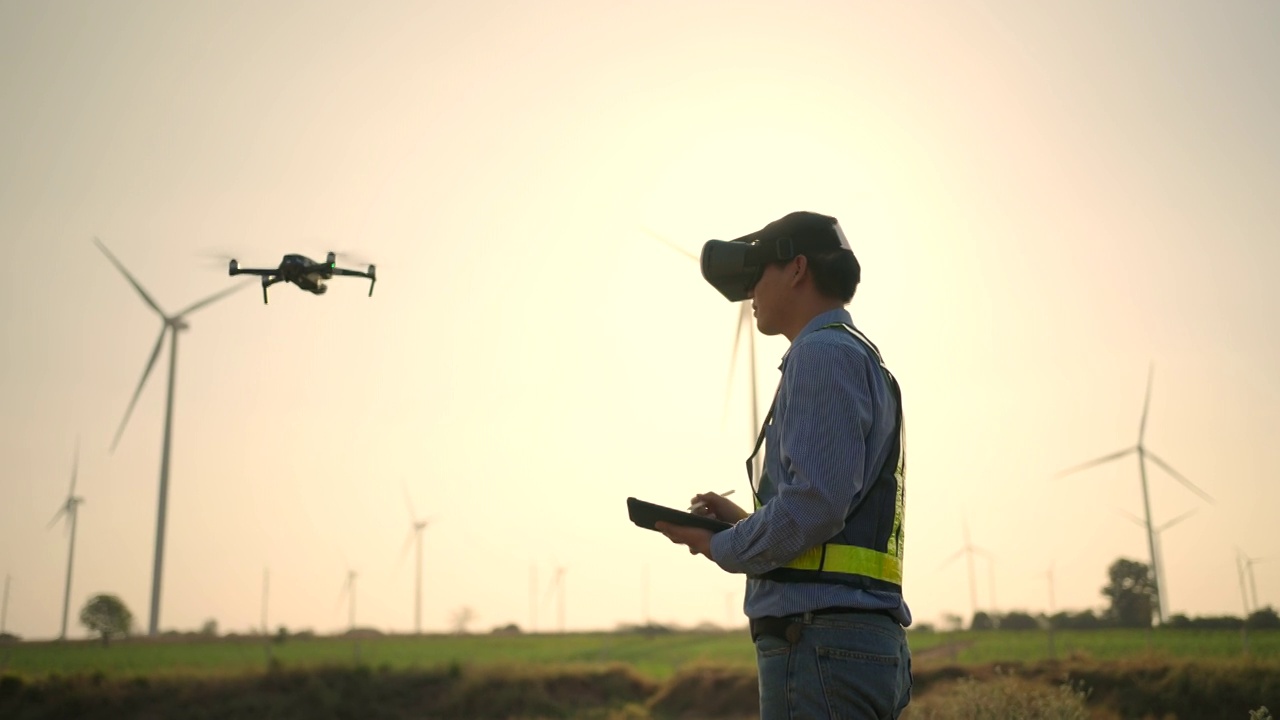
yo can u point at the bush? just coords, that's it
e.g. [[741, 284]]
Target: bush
[[1003, 698]]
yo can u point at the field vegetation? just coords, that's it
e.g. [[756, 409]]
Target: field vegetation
[[1101, 675]]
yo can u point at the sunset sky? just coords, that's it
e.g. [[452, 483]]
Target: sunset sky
[[1048, 199]]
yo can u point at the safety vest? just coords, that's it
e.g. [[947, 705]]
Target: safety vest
[[867, 552]]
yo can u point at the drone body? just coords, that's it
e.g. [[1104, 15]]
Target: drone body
[[303, 272]]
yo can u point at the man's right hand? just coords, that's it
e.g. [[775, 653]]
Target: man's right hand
[[720, 508]]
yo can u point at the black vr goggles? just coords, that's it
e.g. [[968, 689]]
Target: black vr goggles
[[734, 266]]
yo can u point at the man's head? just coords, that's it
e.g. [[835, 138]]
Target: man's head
[[733, 267], [793, 265]]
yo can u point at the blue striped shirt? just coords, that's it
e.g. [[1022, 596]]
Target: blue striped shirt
[[831, 430]]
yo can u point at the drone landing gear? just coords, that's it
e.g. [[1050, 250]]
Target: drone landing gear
[[266, 283]]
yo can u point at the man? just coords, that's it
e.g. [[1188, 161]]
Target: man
[[822, 550]]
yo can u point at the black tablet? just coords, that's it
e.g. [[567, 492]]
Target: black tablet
[[645, 514]]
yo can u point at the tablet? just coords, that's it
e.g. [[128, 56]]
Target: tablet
[[645, 514]]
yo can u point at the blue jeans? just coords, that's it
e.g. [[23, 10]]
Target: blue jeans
[[846, 666]]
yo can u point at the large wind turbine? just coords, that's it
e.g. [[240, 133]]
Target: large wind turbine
[[70, 508], [1143, 455], [171, 325], [745, 323]]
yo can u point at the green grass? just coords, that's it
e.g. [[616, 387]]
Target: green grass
[[657, 657]]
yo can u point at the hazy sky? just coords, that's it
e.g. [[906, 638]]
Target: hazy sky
[[1047, 198]]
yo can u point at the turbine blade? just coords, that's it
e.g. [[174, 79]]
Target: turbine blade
[[670, 244], [155, 352], [1146, 403], [745, 322], [62, 511], [213, 298], [127, 276], [733, 364], [404, 550], [947, 562], [413, 514], [1176, 520], [1178, 476], [1098, 461], [75, 469], [1131, 516]]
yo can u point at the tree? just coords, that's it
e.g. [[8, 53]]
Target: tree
[[1132, 592], [1018, 621], [107, 616], [462, 617]]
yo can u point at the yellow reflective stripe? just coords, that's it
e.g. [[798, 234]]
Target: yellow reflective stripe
[[851, 560]]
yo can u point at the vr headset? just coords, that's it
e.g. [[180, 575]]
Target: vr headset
[[734, 266]]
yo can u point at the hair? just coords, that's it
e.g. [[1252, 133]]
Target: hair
[[836, 273]]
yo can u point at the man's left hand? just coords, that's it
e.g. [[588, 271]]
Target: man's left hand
[[698, 539]]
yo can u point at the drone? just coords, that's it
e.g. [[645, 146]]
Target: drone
[[303, 272]]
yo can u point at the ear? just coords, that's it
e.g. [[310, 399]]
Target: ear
[[800, 267]]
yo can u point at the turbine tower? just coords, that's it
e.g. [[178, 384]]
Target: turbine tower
[[416, 526], [4, 608], [747, 324], [1143, 455], [171, 325], [70, 508]]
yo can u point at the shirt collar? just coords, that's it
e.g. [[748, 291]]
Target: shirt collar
[[835, 315]]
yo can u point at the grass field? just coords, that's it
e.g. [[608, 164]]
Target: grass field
[[657, 656]]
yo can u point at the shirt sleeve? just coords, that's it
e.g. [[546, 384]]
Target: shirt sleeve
[[822, 445]]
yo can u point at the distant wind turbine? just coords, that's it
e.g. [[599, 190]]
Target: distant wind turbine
[[416, 526], [4, 607], [349, 592], [745, 324], [1158, 531], [70, 508], [1143, 455], [171, 325], [556, 586], [969, 549], [1247, 564]]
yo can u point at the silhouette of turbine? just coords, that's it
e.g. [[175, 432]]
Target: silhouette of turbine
[[1143, 455], [171, 325]]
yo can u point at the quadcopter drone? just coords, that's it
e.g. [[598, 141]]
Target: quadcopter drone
[[303, 272]]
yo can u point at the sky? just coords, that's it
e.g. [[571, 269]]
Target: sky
[[1052, 203]]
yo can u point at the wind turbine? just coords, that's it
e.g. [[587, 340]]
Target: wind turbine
[[1143, 455], [416, 527], [745, 323], [4, 608], [557, 586], [1247, 564], [969, 549], [70, 508], [349, 591], [1158, 531], [171, 325]]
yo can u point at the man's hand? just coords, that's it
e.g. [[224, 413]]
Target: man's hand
[[715, 506], [698, 540]]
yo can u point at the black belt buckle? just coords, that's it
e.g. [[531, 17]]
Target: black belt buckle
[[784, 628]]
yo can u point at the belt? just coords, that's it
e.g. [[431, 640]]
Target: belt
[[789, 627]]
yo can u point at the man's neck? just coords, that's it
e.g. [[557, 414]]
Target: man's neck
[[806, 312]]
